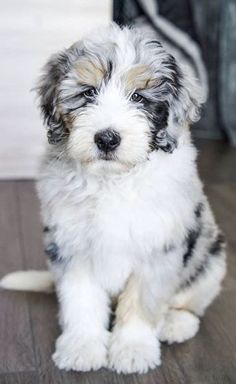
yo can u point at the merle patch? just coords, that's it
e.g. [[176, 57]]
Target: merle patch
[[52, 251], [198, 210], [191, 242], [200, 270], [217, 245]]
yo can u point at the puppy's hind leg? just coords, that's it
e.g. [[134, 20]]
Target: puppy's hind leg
[[182, 320], [198, 292], [178, 326]]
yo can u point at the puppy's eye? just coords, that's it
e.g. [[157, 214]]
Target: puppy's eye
[[136, 97], [90, 93]]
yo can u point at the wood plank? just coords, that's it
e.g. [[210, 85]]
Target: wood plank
[[19, 378], [16, 352], [223, 201], [43, 307], [216, 161]]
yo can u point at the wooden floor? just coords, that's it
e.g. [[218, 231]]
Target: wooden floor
[[28, 324]]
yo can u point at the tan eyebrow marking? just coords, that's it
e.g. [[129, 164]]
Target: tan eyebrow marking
[[139, 77], [89, 73]]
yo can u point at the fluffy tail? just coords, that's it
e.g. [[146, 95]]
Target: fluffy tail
[[35, 281]]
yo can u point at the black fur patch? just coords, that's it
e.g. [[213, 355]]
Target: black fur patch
[[214, 250], [168, 144], [191, 243], [200, 270], [158, 114], [109, 71], [217, 245], [52, 251], [46, 229], [158, 111], [176, 75], [198, 210]]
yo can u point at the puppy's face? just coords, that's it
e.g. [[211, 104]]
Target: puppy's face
[[114, 98]]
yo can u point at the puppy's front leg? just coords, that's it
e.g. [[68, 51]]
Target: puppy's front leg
[[134, 345], [84, 314]]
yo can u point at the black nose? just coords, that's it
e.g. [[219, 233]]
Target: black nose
[[107, 140]]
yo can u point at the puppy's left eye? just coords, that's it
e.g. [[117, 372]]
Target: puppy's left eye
[[136, 97], [90, 93]]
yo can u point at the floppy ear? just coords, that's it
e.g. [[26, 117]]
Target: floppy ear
[[190, 97], [185, 103], [53, 72]]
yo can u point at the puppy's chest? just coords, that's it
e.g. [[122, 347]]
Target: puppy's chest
[[112, 221], [116, 228], [118, 225], [123, 220], [118, 222]]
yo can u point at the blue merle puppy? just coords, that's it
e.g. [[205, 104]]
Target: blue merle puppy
[[124, 211]]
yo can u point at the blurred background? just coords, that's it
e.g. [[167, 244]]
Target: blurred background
[[30, 31], [200, 32]]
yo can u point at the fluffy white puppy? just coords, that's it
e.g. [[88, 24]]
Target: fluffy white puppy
[[124, 212]]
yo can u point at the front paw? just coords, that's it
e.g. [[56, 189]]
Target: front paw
[[133, 353], [83, 353]]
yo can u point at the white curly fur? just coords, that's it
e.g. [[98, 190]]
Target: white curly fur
[[121, 227]]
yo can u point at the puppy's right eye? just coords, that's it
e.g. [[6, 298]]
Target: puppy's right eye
[[90, 93]]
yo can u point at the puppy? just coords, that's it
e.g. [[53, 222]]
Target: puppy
[[124, 212]]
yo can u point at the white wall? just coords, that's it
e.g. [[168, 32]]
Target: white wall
[[30, 30]]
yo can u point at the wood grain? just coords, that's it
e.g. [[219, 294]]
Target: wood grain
[[19, 378], [16, 346]]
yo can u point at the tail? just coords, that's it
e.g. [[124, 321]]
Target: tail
[[35, 281]]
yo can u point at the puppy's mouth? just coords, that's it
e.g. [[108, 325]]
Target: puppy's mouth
[[107, 157]]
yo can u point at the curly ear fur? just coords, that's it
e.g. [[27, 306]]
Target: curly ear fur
[[165, 141], [187, 106], [182, 97], [54, 71]]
